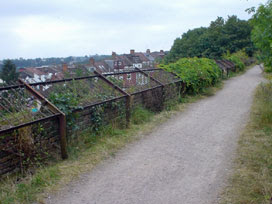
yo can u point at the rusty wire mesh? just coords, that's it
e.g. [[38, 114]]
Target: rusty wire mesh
[[85, 91], [18, 106], [163, 76], [132, 82]]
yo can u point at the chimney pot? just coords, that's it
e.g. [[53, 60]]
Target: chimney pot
[[64, 67], [132, 52], [113, 55], [161, 51], [148, 51], [92, 61]]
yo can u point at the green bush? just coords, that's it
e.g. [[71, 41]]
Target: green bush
[[197, 73], [239, 58]]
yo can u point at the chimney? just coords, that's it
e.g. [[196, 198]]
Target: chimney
[[92, 61], [132, 52], [161, 52], [148, 51], [64, 67], [113, 55]]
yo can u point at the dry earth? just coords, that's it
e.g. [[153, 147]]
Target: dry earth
[[185, 160]]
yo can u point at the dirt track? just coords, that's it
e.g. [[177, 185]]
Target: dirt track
[[186, 160]]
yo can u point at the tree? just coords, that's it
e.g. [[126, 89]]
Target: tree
[[8, 73], [262, 32], [212, 42]]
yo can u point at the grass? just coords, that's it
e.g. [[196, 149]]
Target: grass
[[90, 150], [251, 181]]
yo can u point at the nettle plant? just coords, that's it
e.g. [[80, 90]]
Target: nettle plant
[[67, 102], [197, 73]]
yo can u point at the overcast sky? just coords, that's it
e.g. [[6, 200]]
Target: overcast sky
[[60, 28]]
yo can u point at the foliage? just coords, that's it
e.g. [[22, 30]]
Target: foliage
[[66, 102], [239, 59], [262, 32], [212, 42], [197, 73], [8, 73]]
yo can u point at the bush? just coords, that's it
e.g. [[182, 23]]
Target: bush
[[197, 73], [239, 58]]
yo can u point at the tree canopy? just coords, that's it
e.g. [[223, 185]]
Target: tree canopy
[[221, 36], [262, 32], [8, 73]]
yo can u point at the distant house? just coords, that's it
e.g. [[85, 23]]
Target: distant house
[[117, 63], [158, 56], [101, 66]]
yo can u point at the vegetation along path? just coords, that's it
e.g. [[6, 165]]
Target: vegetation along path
[[185, 160]]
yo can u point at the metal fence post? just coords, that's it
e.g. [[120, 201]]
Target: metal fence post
[[128, 110], [128, 98], [63, 136], [157, 82], [62, 118]]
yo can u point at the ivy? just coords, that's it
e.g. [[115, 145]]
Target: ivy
[[66, 102], [197, 73]]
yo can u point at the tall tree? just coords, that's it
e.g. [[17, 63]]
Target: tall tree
[[262, 32], [8, 73]]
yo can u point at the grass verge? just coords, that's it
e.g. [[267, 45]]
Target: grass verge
[[251, 181]]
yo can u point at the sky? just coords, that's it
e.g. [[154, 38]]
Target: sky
[[61, 28]]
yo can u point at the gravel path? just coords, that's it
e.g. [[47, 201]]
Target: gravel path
[[185, 160]]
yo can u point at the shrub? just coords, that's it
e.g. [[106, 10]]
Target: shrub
[[197, 73], [239, 58]]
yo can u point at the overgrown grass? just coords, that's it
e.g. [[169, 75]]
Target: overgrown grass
[[252, 178]]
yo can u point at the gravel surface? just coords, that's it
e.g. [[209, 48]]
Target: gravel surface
[[185, 160]]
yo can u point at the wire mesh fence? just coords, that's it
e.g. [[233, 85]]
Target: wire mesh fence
[[30, 121], [84, 92], [18, 106]]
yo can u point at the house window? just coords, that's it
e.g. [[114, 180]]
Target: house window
[[119, 63], [121, 77], [129, 76]]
